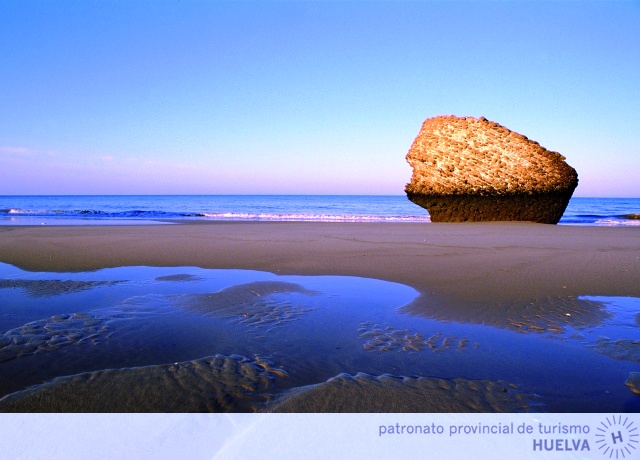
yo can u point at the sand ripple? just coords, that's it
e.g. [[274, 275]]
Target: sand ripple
[[213, 384], [377, 338], [49, 288], [55, 332], [388, 393], [51, 334], [256, 305], [543, 315]]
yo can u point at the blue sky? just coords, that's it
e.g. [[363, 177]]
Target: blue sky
[[109, 97]]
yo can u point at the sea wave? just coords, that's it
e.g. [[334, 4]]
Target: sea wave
[[156, 214], [96, 214], [615, 222], [34, 212], [313, 217], [17, 211]]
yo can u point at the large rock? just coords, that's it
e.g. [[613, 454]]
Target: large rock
[[472, 169]]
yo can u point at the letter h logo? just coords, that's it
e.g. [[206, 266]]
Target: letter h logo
[[616, 438]]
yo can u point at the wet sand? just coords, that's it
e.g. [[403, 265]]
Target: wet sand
[[387, 393], [215, 384], [451, 263]]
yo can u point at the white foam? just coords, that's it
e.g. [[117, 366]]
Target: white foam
[[614, 223], [313, 217]]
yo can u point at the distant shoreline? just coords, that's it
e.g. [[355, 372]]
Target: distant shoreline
[[152, 209]]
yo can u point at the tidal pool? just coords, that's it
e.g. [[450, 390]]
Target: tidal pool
[[187, 339]]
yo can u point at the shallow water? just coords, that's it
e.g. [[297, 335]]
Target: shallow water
[[192, 339]]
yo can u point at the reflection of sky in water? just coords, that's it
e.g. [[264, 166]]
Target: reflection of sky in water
[[313, 327]]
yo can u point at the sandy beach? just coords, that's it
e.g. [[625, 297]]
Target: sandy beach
[[511, 276], [479, 262]]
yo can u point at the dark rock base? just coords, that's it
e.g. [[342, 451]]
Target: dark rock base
[[544, 208]]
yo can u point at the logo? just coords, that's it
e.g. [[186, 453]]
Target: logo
[[617, 437]]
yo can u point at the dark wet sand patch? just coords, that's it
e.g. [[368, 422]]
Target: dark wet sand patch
[[624, 349], [388, 393], [543, 315], [178, 277], [212, 384]]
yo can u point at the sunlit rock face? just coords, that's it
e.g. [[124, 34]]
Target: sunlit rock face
[[472, 169]]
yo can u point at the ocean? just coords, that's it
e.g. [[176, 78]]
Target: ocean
[[145, 209]]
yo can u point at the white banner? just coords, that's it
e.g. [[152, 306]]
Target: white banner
[[319, 436]]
